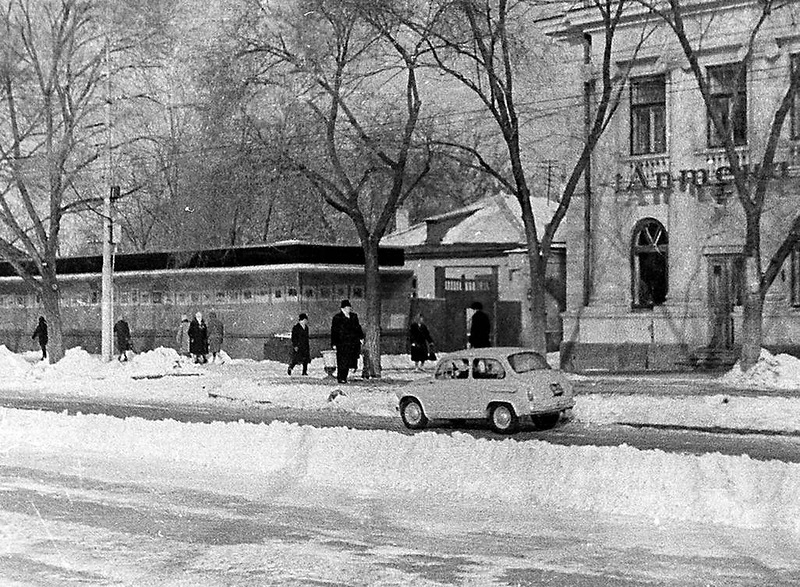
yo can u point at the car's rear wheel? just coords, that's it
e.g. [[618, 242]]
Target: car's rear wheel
[[412, 414], [503, 419], [546, 421]]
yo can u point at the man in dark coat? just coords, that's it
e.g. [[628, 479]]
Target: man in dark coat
[[198, 338], [41, 333], [346, 337], [123, 334], [479, 328], [301, 351]]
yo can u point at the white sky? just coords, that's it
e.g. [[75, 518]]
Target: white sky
[[644, 486]]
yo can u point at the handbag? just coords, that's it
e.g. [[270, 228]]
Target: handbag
[[431, 354]]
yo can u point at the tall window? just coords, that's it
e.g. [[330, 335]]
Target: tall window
[[648, 115], [795, 259], [795, 65], [724, 93], [649, 268]]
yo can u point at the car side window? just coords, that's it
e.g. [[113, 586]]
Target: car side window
[[487, 369], [445, 370]]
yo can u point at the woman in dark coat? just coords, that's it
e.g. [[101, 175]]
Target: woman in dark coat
[[198, 338], [301, 350], [40, 332], [216, 331], [419, 341], [346, 337]]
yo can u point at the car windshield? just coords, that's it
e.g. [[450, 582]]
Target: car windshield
[[524, 362]]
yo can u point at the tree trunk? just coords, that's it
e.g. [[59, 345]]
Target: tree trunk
[[52, 313], [752, 314], [372, 322], [538, 306]]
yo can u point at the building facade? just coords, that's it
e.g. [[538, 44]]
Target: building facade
[[654, 264]]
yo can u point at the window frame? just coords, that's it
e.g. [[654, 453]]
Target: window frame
[[719, 91], [794, 132], [794, 294], [651, 108]]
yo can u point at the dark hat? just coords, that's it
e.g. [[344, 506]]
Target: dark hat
[[345, 304], [303, 316], [476, 306]]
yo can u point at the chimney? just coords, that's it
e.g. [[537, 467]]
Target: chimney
[[401, 220]]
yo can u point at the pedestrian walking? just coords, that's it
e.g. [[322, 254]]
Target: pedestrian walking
[[480, 327], [40, 334], [215, 334], [198, 338], [301, 351], [420, 341], [182, 336], [346, 337], [122, 332]]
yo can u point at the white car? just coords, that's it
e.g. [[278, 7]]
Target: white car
[[500, 384]]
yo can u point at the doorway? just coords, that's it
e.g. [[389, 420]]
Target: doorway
[[724, 293]]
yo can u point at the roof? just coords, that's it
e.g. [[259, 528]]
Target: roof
[[492, 220], [279, 253]]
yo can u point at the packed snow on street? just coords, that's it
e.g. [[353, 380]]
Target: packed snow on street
[[91, 499]]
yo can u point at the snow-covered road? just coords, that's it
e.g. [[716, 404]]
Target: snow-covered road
[[101, 500]]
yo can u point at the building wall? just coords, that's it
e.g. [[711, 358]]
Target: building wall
[[608, 332], [512, 273]]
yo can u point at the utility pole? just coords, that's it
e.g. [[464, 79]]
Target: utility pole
[[107, 283]]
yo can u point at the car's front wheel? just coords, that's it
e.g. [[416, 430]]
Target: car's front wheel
[[503, 419], [546, 421], [412, 414]]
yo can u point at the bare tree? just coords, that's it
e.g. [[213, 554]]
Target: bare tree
[[751, 183], [52, 75], [475, 43], [354, 69]]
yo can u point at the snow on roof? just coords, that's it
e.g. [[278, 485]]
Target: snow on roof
[[490, 220]]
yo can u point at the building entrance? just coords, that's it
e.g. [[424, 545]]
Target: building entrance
[[724, 275]]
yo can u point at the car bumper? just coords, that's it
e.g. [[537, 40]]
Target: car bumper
[[557, 404]]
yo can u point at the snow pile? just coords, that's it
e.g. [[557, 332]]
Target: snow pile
[[770, 372], [308, 395], [159, 362], [12, 364], [77, 363], [501, 475], [711, 411]]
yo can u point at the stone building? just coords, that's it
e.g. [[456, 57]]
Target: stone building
[[654, 249]]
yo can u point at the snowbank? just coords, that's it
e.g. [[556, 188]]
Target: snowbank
[[770, 372], [762, 413], [503, 475]]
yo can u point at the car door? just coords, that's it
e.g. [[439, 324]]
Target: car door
[[489, 384], [451, 383]]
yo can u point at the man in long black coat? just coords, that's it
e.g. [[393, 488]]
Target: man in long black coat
[[198, 338], [346, 337], [301, 349], [123, 335], [480, 327]]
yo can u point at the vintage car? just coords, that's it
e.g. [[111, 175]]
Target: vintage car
[[500, 384]]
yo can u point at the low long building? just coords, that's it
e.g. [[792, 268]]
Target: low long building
[[256, 291]]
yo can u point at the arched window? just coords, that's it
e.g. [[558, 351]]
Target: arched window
[[649, 267]]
